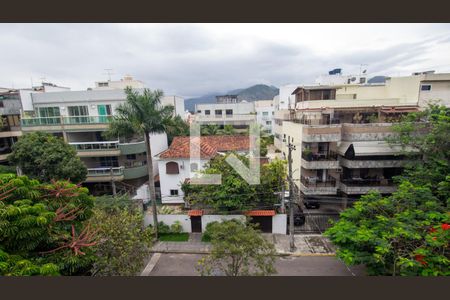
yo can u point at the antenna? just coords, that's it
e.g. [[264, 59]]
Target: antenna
[[360, 68], [109, 72]]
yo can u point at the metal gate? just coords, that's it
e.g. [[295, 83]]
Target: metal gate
[[316, 222]]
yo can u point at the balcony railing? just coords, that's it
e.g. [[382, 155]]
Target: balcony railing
[[319, 156], [356, 181], [106, 171], [96, 146], [67, 120], [312, 181]]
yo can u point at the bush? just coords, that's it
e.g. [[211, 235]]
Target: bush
[[176, 227], [163, 228]]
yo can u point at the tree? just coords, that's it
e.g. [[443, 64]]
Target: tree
[[45, 157], [235, 193], [44, 228], [407, 232], [237, 250], [143, 114], [124, 241], [177, 127], [227, 130], [209, 129]]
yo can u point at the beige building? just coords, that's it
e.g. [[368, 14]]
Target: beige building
[[340, 134]]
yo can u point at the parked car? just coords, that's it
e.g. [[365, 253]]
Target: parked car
[[299, 216], [311, 204]]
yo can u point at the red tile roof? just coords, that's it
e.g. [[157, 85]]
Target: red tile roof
[[260, 213], [209, 145], [195, 212]]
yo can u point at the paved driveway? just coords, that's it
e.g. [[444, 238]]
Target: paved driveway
[[170, 264]]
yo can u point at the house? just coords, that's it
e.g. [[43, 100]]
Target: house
[[175, 164]]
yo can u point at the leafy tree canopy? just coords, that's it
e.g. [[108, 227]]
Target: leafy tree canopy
[[235, 193], [406, 233], [237, 250], [45, 157]]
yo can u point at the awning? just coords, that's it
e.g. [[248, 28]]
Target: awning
[[195, 213], [260, 213], [371, 148]]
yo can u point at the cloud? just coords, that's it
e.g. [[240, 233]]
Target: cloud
[[194, 59]]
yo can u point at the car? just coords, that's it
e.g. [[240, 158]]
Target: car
[[311, 204], [299, 217]]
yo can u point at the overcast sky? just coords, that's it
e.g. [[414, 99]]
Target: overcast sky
[[194, 59]]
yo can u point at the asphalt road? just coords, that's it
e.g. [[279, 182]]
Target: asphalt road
[[184, 265]]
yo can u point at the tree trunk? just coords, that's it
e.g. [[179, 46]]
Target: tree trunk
[[151, 182]]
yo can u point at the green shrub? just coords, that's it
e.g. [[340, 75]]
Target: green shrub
[[176, 227], [163, 228]]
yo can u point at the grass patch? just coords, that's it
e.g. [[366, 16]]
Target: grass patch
[[174, 237]]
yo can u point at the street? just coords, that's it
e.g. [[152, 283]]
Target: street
[[179, 264]]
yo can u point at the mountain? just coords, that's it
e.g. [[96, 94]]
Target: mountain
[[255, 92]]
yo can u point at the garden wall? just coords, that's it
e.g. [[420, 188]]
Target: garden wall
[[169, 220], [279, 223]]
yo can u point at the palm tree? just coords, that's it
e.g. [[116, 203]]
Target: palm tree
[[143, 114], [209, 129], [228, 130]]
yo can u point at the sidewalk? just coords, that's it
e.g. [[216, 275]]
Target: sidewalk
[[306, 245]]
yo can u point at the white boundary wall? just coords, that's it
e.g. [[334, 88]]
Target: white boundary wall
[[169, 220], [212, 218], [279, 223]]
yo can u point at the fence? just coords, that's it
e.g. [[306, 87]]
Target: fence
[[316, 222]]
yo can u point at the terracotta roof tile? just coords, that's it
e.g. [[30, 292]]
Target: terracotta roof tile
[[209, 145], [195, 212], [260, 213]]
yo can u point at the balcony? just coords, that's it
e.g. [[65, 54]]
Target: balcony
[[358, 186], [366, 132], [105, 174], [132, 148], [61, 123], [325, 160], [321, 133], [317, 186], [135, 171], [370, 164], [103, 148]]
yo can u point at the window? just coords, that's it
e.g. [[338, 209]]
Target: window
[[131, 156], [172, 168], [46, 112], [273, 113], [173, 192], [229, 112], [78, 110], [107, 162], [362, 80], [207, 112], [100, 84], [194, 167], [268, 122], [199, 111], [1, 103], [218, 112], [265, 113], [425, 87]]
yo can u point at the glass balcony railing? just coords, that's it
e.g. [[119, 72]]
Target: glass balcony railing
[[105, 171], [96, 146], [43, 121], [71, 120]]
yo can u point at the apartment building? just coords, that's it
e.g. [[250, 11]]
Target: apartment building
[[80, 118], [10, 108], [265, 111], [239, 114], [175, 165], [340, 134]]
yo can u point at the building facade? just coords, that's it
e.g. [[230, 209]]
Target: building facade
[[265, 111], [10, 108], [238, 114]]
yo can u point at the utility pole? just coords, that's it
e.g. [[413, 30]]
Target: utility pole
[[291, 197]]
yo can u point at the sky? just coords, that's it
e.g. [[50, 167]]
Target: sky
[[195, 59]]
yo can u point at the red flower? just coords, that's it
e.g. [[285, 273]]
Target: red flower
[[433, 229], [445, 226], [420, 258]]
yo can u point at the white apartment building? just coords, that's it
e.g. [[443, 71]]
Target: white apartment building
[[265, 111], [126, 81], [80, 118], [236, 114]]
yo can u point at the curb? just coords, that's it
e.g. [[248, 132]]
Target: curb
[[281, 254]]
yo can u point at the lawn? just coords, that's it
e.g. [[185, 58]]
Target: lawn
[[174, 237]]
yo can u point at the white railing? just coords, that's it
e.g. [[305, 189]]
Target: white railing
[[95, 146], [105, 171]]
